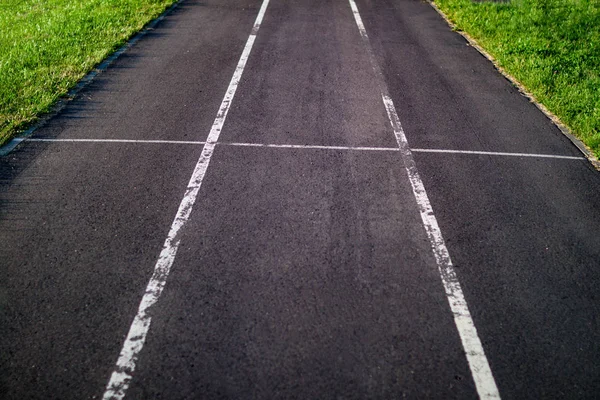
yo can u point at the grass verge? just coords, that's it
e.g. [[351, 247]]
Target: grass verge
[[552, 47], [46, 46]]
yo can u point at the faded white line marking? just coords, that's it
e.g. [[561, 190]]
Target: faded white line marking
[[495, 153], [192, 142], [125, 366], [304, 146], [480, 369], [115, 141]]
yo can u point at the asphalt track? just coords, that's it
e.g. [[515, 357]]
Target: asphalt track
[[306, 267]]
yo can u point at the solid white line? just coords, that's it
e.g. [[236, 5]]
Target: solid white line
[[480, 369], [305, 146], [302, 146], [115, 141], [122, 375], [495, 153], [158, 141]]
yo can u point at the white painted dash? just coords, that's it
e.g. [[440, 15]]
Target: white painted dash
[[126, 363], [478, 363]]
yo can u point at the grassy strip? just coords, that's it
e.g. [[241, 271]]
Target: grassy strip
[[46, 46], [551, 46]]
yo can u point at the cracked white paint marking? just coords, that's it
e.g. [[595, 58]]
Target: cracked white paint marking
[[121, 377], [480, 369]]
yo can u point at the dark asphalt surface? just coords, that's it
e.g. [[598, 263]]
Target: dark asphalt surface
[[302, 273]]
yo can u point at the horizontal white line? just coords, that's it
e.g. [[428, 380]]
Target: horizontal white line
[[116, 141], [306, 146], [495, 153], [281, 146]]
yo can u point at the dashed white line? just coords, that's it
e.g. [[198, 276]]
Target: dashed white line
[[480, 369], [125, 366]]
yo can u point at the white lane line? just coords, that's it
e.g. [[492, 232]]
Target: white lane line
[[495, 153], [192, 142], [115, 141], [480, 369], [305, 146], [122, 374]]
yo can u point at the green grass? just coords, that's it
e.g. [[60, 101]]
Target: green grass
[[46, 46], [551, 46]]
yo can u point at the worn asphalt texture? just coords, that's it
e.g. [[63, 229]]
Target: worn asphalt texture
[[302, 273]]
